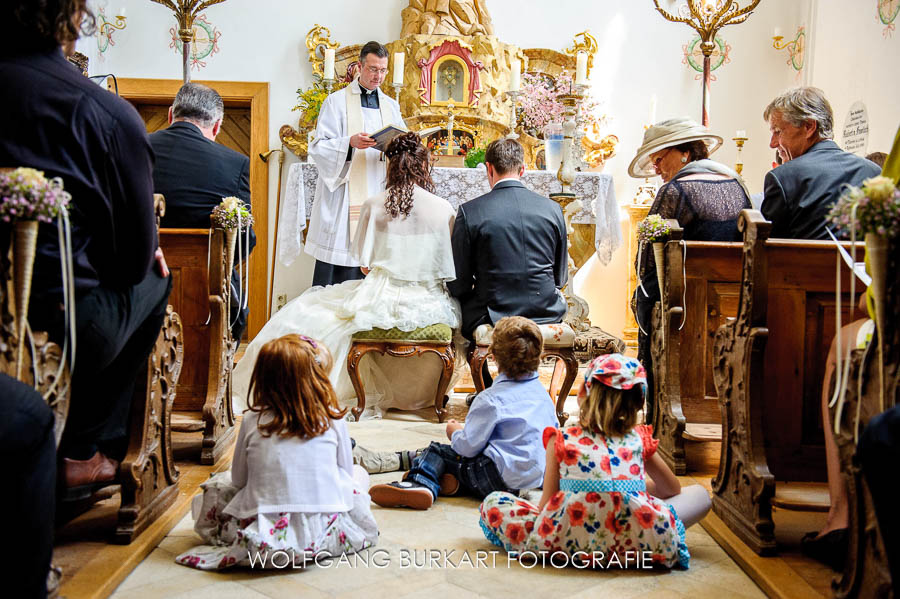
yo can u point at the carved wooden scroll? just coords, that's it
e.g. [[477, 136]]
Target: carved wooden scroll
[[744, 486], [665, 347]]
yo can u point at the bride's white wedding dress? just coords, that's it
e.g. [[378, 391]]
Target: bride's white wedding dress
[[410, 258]]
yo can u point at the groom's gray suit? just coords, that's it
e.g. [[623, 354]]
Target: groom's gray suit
[[510, 250]]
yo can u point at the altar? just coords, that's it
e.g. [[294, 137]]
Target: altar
[[595, 206]]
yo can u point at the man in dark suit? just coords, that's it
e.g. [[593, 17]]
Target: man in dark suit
[[194, 173], [57, 121], [799, 193], [510, 249]]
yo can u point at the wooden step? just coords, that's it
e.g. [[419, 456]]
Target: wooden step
[[703, 433], [187, 422], [804, 497]]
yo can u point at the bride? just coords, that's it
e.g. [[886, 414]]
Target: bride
[[403, 245]]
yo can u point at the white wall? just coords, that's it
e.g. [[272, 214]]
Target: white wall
[[640, 56], [855, 61]]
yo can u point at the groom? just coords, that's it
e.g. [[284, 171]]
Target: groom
[[350, 169], [510, 249]]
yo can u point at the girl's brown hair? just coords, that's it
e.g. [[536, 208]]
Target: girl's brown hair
[[516, 345], [610, 411], [409, 165], [290, 380]]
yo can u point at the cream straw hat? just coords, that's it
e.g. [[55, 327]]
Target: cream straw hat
[[665, 134]]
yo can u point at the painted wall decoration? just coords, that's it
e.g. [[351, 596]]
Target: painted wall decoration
[[887, 13], [204, 44], [106, 29], [693, 56], [796, 49]]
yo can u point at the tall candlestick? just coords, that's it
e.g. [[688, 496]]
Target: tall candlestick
[[328, 70], [399, 59], [514, 75], [581, 68]]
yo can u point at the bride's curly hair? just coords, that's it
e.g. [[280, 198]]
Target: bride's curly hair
[[409, 165]]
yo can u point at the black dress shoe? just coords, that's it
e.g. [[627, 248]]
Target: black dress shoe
[[830, 549]]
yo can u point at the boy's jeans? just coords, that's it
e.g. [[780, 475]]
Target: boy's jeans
[[477, 476]]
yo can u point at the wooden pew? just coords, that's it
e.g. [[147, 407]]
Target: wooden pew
[[866, 572], [768, 365], [701, 282], [201, 298], [147, 473]]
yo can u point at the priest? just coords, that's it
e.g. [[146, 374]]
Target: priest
[[350, 169]]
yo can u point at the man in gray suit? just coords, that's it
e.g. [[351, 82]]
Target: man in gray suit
[[799, 193], [510, 248]]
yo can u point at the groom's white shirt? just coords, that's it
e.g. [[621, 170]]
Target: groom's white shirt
[[327, 238]]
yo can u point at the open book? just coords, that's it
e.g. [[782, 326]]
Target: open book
[[385, 135]]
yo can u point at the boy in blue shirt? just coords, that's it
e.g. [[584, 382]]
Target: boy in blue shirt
[[499, 448]]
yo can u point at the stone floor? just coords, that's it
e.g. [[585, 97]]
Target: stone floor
[[397, 565]]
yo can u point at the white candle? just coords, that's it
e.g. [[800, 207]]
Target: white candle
[[329, 63], [581, 68], [399, 59], [653, 109], [740, 133], [777, 32], [514, 75], [121, 12]]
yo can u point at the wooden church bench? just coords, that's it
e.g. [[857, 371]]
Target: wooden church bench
[[866, 573], [200, 296], [701, 280], [769, 365], [147, 474]]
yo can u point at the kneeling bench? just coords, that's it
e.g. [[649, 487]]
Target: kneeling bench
[[559, 342], [435, 338]]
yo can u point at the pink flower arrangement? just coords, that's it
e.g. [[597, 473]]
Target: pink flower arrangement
[[540, 104], [25, 194]]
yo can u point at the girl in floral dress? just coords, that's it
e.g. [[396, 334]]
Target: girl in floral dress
[[596, 497], [293, 494]]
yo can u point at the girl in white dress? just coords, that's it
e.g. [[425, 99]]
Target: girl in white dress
[[403, 243], [293, 494]]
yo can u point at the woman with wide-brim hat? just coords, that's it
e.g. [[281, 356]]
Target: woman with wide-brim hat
[[704, 196]]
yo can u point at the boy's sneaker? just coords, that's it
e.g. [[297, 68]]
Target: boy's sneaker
[[402, 494]]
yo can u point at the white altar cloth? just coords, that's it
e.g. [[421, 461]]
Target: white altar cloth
[[594, 191]]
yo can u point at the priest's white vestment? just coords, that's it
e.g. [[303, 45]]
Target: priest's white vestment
[[328, 237]]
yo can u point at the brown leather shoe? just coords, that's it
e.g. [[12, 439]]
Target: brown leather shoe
[[83, 477], [449, 484]]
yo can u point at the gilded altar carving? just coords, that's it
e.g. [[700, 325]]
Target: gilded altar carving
[[446, 17]]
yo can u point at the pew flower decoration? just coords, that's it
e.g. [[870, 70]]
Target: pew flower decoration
[[653, 229], [876, 205], [25, 194], [226, 214]]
